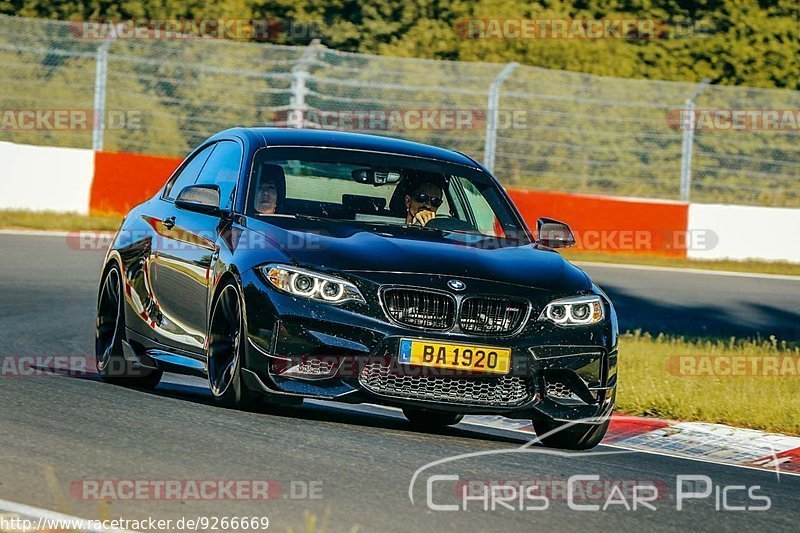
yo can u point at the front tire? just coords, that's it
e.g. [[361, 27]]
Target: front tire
[[426, 419], [225, 352], [112, 365]]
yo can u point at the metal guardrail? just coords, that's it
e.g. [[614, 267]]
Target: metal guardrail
[[535, 128]]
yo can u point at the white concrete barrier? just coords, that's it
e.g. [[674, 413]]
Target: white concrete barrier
[[45, 178], [745, 232]]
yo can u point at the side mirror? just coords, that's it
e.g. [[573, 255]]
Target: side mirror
[[200, 199], [554, 234]]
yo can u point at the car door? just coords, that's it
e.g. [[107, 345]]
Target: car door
[[185, 253], [159, 215]]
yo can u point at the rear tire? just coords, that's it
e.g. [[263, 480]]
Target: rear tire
[[225, 352], [426, 419], [571, 437], [112, 365]]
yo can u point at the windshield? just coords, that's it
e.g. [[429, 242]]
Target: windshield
[[371, 188]]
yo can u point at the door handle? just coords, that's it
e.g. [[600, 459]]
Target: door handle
[[169, 222]]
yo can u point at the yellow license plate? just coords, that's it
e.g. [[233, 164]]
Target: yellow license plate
[[455, 356]]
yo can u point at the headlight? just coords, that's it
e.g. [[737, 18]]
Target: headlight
[[576, 311], [309, 284]]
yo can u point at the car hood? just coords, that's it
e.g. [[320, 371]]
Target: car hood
[[357, 247]]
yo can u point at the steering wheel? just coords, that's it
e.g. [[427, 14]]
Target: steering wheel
[[449, 223]]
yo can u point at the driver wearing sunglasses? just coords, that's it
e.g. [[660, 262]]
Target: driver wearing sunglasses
[[423, 202]]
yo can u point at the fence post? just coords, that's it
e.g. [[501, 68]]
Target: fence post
[[100, 75], [493, 112], [101, 72], [297, 101], [688, 122]]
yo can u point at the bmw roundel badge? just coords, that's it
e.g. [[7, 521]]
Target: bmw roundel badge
[[456, 284]]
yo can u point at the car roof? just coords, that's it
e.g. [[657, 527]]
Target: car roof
[[346, 140]]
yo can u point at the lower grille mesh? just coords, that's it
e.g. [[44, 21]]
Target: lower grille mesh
[[560, 389], [314, 367], [503, 391]]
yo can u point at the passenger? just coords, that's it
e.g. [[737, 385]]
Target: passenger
[[269, 190]]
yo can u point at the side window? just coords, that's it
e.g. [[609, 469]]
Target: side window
[[189, 173], [458, 207], [484, 215], [222, 169]]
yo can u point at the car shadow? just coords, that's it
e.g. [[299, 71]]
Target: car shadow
[[179, 387], [340, 413]]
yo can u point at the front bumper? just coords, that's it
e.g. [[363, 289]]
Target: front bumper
[[349, 354]]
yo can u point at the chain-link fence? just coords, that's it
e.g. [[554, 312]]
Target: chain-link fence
[[536, 128]]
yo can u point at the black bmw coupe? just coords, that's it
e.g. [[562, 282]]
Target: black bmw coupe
[[286, 264]]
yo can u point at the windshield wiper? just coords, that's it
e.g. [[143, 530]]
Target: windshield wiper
[[312, 217]]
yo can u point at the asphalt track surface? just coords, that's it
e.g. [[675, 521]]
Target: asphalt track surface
[[58, 430], [694, 304]]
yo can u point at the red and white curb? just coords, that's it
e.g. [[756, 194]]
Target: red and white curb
[[716, 443], [696, 441]]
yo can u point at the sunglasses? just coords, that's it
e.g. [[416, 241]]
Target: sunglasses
[[423, 198]]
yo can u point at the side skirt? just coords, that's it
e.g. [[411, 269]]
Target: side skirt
[[156, 355]]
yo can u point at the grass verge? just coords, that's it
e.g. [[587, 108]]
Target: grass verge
[[56, 221], [651, 382], [750, 266]]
